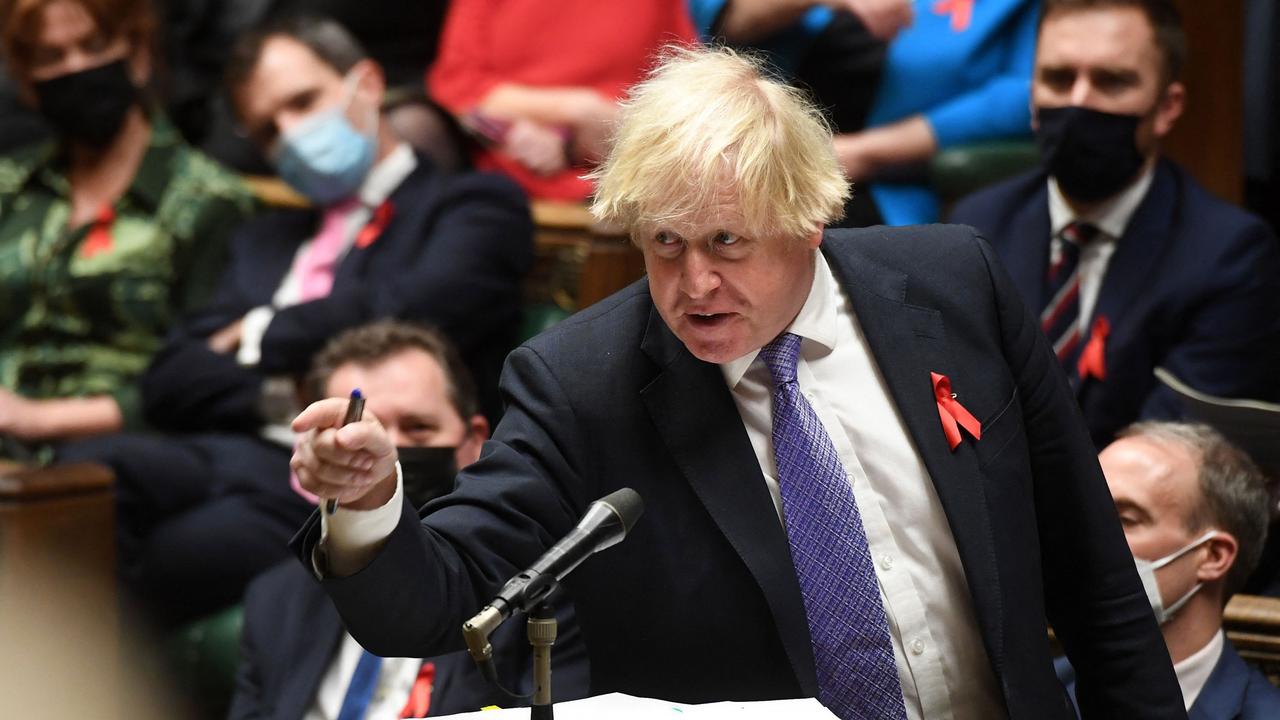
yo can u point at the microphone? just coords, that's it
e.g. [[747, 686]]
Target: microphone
[[606, 522]]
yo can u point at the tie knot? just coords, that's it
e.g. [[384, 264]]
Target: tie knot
[[1080, 233], [781, 356]]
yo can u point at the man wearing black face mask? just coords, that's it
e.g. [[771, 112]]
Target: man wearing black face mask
[[1132, 264], [297, 660]]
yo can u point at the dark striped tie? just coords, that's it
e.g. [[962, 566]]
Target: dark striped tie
[[1060, 318]]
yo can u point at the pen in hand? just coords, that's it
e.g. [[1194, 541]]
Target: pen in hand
[[355, 409]]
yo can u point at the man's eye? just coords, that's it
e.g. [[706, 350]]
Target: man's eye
[[725, 238], [662, 237]]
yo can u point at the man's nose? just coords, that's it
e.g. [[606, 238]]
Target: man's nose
[[1082, 91], [700, 274]]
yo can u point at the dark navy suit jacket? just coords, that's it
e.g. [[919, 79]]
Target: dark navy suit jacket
[[1193, 286], [701, 602], [1234, 691], [453, 254], [292, 633]]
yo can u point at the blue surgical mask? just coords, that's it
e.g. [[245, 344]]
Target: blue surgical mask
[[1147, 571], [325, 157]]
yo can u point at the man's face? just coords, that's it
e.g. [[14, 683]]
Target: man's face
[[1107, 60], [290, 82], [1155, 488], [408, 394], [722, 291], [70, 41]]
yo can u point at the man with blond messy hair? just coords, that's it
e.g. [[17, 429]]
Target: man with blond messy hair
[[863, 474]]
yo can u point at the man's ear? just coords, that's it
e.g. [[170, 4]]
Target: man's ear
[[469, 447], [371, 82], [815, 238], [1169, 109], [1221, 552]]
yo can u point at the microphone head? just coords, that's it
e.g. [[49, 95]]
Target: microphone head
[[627, 505]]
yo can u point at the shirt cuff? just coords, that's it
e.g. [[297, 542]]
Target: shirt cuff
[[349, 539], [252, 328]]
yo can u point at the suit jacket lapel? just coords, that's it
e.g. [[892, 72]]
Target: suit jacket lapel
[[1139, 252], [695, 414], [312, 652], [1027, 251], [1223, 693], [908, 342]]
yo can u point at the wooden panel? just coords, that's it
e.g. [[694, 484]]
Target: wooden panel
[[1208, 138], [64, 518], [579, 262]]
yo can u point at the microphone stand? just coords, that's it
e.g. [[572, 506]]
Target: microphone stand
[[541, 625]]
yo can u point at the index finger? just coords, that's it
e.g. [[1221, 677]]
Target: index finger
[[321, 414]]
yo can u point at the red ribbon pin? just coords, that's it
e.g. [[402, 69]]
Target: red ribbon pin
[[98, 239], [961, 12], [1092, 361], [953, 415], [371, 231], [420, 696]]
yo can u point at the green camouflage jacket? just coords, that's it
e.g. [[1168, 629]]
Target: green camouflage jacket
[[83, 309]]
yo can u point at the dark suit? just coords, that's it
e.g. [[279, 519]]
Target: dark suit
[[292, 633], [202, 513], [1193, 286], [701, 602], [1234, 691], [454, 254]]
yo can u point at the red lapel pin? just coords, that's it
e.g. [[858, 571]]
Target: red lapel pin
[[953, 415], [375, 226], [98, 240], [1092, 361]]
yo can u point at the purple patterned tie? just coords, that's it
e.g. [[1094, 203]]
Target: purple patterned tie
[[857, 675]]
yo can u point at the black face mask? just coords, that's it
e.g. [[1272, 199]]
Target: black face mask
[[1092, 154], [429, 472], [88, 106]]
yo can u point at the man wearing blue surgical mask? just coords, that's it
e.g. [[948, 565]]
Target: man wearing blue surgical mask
[[386, 235], [1130, 263], [1194, 509]]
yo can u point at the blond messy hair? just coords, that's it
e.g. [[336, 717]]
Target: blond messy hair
[[707, 121]]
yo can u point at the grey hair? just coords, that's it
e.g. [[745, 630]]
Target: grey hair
[[1233, 490]]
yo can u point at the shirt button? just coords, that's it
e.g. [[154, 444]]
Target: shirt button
[[886, 562], [917, 647]]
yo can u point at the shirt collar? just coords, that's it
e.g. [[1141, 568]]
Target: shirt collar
[[816, 321], [1111, 216], [387, 175], [1194, 670]]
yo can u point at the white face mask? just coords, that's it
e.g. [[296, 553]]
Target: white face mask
[[1147, 571]]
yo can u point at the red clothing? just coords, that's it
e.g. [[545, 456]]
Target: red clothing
[[603, 45]]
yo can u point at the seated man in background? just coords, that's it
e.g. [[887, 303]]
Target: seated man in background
[[108, 234], [1130, 263], [389, 237], [1194, 510], [297, 661]]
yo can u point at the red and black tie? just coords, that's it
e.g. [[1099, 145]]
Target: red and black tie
[[1060, 318]]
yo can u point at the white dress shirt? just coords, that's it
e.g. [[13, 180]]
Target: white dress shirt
[[1194, 670], [390, 694], [1112, 219], [942, 664]]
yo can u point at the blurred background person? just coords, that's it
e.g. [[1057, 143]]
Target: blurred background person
[[538, 83], [1130, 262], [1194, 510], [296, 659], [108, 234], [387, 236]]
